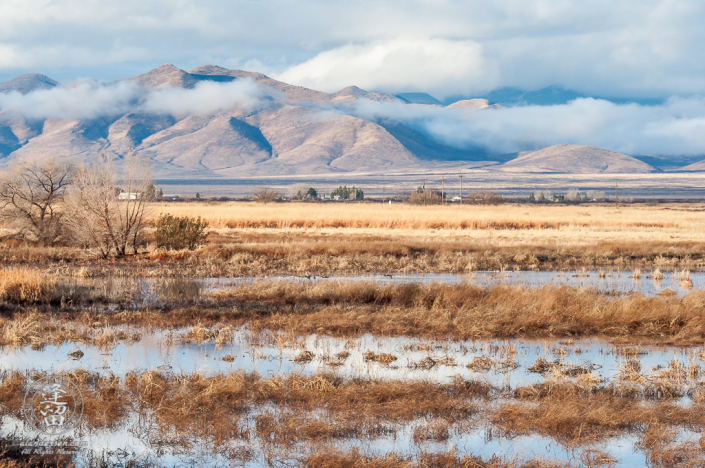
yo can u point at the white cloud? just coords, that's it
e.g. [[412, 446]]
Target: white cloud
[[206, 98], [90, 99], [84, 100], [630, 47], [674, 128], [439, 66]]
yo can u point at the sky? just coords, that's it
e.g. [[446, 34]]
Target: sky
[[623, 50], [627, 48]]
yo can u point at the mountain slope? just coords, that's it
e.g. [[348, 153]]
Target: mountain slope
[[290, 92], [473, 104], [576, 159], [304, 144], [698, 166], [165, 75], [419, 98], [353, 92], [27, 83], [292, 131]]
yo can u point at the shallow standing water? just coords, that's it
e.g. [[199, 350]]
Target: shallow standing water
[[272, 354], [616, 281], [507, 366]]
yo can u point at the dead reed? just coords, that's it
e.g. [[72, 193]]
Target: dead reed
[[25, 285], [356, 459], [321, 239], [287, 411], [461, 311], [366, 216], [574, 415], [465, 311]]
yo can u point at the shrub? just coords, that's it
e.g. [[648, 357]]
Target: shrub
[[20, 285], [485, 198], [176, 233], [428, 197], [267, 195]]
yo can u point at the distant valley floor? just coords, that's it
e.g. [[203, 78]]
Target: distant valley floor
[[639, 186]]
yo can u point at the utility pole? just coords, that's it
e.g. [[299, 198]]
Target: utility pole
[[424, 192], [616, 192], [461, 189], [443, 189]]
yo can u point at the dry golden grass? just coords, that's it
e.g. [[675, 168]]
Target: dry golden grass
[[37, 330], [462, 311], [312, 410], [21, 285], [355, 459], [327, 239], [380, 216]]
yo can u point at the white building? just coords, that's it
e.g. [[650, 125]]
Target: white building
[[129, 196]]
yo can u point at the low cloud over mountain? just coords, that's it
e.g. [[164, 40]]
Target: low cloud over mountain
[[211, 121]]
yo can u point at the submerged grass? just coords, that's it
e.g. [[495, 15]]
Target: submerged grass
[[461, 311], [25, 285], [466, 311], [284, 414]]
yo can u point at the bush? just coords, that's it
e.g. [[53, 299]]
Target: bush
[[20, 285], [485, 198], [344, 192], [428, 197], [267, 195], [176, 233]]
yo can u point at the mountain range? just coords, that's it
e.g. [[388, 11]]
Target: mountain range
[[292, 134]]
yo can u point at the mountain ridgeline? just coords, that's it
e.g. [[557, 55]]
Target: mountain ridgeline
[[292, 135]]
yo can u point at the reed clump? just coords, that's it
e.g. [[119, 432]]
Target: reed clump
[[437, 430], [398, 216], [382, 358], [460, 311], [288, 412], [328, 458], [25, 285], [465, 311]]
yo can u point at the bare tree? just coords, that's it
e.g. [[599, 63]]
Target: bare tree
[[29, 195], [485, 198], [266, 195], [106, 212]]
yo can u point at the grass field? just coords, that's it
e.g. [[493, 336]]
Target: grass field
[[363, 373], [681, 218]]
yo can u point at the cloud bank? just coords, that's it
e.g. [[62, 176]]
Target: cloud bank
[[676, 128], [90, 99], [440, 66], [630, 48]]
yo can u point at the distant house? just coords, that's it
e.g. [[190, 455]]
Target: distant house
[[170, 197], [129, 196], [455, 199], [337, 197]]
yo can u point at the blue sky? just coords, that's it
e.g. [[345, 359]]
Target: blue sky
[[629, 48]]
